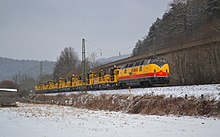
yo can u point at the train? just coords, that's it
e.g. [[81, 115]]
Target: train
[[143, 73]]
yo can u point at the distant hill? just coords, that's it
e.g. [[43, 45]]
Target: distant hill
[[112, 59], [10, 67]]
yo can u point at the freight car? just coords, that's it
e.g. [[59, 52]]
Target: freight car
[[141, 73]]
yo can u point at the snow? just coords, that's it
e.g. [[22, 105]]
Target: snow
[[53, 121], [9, 90], [211, 91]]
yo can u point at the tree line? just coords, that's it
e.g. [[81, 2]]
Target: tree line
[[186, 20], [66, 65]]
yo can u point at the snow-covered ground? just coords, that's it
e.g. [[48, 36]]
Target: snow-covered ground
[[32, 120], [211, 91]]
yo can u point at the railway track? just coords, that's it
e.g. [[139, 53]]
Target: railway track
[[210, 91]]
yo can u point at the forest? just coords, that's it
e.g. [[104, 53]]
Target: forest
[[184, 21]]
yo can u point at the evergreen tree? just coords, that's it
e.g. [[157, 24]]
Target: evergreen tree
[[184, 21]]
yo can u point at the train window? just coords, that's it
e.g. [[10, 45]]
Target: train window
[[140, 69], [137, 64], [125, 71], [126, 66], [162, 60], [142, 62], [155, 60], [148, 61], [130, 65], [123, 66]]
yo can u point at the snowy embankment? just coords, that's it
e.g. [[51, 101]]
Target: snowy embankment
[[200, 100], [53, 121], [139, 104], [211, 91]]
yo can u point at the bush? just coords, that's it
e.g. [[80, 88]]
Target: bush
[[8, 84]]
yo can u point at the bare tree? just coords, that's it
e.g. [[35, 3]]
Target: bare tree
[[15, 79], [214, 55], [66, 63], [26, 83], [92, 60]]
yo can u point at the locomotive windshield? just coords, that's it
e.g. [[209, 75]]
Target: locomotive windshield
[[159, 61]]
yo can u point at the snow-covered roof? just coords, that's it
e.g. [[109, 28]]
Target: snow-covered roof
[[8, 90]]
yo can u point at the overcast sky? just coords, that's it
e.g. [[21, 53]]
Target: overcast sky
[[40, 29]]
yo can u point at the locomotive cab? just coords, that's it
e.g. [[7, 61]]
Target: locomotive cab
[[158, 71], [144, 73]]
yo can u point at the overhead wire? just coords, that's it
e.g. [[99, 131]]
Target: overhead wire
[[107, 50]]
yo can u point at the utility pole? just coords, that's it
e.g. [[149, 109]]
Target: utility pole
[[83, 65], [41, 69], [19, 77], [100, 52]]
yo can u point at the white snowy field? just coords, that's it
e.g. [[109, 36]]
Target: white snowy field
[[32, 120], [210, 91]]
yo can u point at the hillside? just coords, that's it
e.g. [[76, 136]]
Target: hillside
[[185, 21], [11, 67]]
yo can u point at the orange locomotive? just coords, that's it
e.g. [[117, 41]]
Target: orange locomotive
[[145, 73]]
